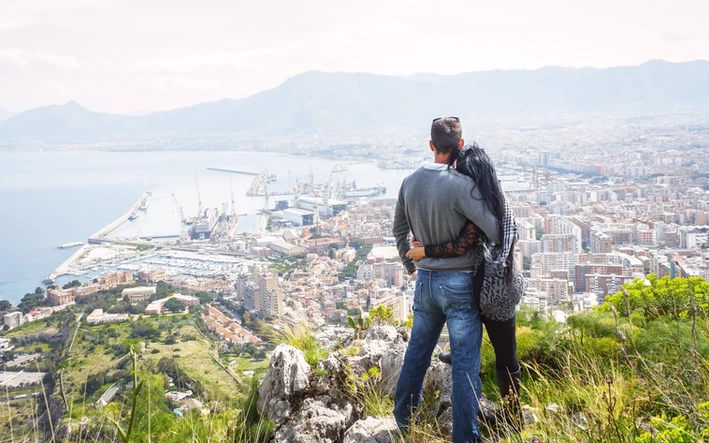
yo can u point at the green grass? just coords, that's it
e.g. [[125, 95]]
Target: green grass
[[16, 418], [242, 364], [301, 337], [194, 358], [34, 327]]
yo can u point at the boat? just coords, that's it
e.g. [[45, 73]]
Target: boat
[[133, 216], [364, 192], [48, 281], [340, 167]]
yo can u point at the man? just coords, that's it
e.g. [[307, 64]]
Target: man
[[434, 204]]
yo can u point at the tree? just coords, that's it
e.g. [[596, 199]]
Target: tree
[[39, 290], [94, 382], [143, 330], [174, 305], [331, 253], [72, 284], [5, 306], [8, 356], [30, 301]]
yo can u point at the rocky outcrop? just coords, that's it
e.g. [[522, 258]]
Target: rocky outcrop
[[323, 404], [319, 420], [287, 380], [372, 430]]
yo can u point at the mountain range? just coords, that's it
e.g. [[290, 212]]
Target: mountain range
[[318, 102], [5, 113]]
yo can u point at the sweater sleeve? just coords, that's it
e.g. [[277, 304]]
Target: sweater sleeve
[[401, 232], [468, 238], [471, 205]]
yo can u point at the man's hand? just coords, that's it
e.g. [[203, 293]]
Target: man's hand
[[417, 252], [414, 275]]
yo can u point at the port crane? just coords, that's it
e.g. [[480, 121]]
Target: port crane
[[233, 205], [199, 198], [183, 222]]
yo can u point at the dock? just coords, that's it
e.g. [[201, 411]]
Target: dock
[[233, 171], [99, 236], [64, 267]]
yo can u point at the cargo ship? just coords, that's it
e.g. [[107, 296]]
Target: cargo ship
[[364, 192], [204, 225]]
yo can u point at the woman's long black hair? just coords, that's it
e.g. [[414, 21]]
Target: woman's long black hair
[[474, 162]]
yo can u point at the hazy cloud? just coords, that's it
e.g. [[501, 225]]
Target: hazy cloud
[[23, 58], [124, 55], [675, 37]]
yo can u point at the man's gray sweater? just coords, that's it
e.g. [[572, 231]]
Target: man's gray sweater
[[434, 203]]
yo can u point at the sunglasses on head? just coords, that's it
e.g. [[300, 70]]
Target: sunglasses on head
[[441, 118]]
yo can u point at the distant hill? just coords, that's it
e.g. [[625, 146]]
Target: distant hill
[[317, 102], [5, 113]]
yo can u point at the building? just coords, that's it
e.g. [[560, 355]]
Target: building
[[139, 294], [60, 297], [554, 261], [156, 307], [391, 273], [284, 248], [152, 275], [535, 299], [113, 279], [13, 319], [600, 242], [98, 316], [5, 345], [557, 290], [270, 295], [400, 303], [559, 225], [529, 247], [325, 209], [603, 285], [298, 217], [560, 243], [585, 269], [249, 293]]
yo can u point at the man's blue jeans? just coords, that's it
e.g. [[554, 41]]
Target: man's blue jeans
[[444, 297]]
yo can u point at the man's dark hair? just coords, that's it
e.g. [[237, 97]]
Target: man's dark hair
[[446, 134]]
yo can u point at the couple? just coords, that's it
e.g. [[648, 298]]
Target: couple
[[448, 205]]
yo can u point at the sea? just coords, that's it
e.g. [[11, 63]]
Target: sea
[[55, 197]]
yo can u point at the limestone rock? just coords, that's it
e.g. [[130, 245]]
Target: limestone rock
[[438, 378], [319, 420], [372, 430], [287, 377], [383, 347]]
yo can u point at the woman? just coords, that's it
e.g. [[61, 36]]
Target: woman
[[475, 163]]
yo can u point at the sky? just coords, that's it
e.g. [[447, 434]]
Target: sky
[[138, 56]]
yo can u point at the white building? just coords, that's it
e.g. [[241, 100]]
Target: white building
[[98, 316], [139, 294], [13, 319]]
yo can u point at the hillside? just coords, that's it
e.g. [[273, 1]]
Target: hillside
[[633, 370], [317, 102], [5, 113]]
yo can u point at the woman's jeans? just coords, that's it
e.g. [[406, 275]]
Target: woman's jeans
[[443, 297]]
